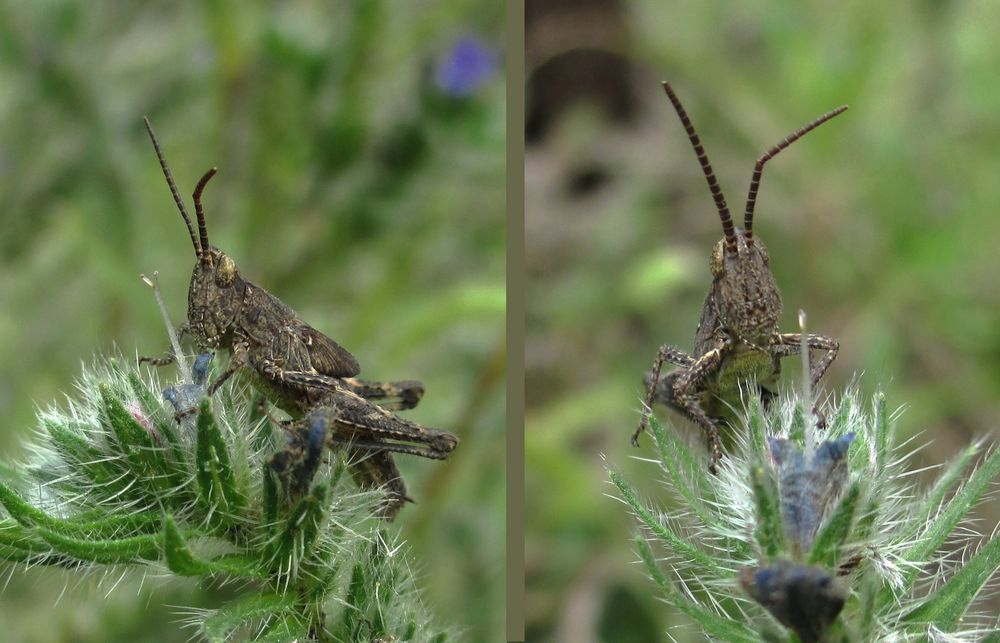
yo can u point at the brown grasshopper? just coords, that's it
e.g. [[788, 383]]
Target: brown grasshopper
[[737, 341], [299, 368]]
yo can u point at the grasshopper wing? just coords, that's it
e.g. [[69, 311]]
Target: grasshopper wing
[[288, 341], [327, 356]]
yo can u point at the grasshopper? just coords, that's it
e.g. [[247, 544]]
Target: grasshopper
[[737, 342], [299, 368]]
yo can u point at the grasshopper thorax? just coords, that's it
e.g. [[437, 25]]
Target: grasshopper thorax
[[748, 301], [215, 297]]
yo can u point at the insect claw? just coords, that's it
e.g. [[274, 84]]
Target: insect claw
[[638, 432]]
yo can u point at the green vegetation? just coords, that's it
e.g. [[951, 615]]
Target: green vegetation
[[827, 533], [350, 185], [115, 487]]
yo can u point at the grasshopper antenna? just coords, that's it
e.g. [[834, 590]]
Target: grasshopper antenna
[[199, 211], [706, 167], [771, 153], [173, 186]]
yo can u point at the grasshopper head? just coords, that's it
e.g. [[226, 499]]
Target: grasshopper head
[[215, 297], [749, 303]]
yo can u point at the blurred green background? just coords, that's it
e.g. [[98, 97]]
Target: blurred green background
[[360, 148], [882, 225]]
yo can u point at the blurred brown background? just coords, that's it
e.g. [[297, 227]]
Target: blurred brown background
[[882, 225]]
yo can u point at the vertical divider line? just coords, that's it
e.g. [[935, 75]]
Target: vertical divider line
[[516, 287]]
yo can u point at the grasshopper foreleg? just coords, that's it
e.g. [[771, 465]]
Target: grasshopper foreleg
[[788, 344], [686, 391], [669, 354], [236, 361]]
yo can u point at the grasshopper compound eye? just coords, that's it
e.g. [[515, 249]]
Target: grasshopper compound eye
[[225, 274]]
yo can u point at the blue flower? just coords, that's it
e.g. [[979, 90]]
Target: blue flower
[[469, 65], [185, 397], [803, 598], [808, 488]]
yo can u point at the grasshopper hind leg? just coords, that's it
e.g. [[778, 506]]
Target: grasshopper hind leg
[[374, 468], [392, 396], [371, 466]]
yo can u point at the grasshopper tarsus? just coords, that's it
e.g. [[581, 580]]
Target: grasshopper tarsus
[[166, 360], [221, 379]]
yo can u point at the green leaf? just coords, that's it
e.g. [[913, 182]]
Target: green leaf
[[17, 555], [797, 428], [827, 546], [676, 460], [946, 521], [300, 529], [107, 552], [18, 544], [715, 626], [179, 468], [314, 515], [109, 527], [867, 518], [355, 601], [947, 481], [363, 615], [182, 561], [769, 532], [679, 546], [379, 576], [867, 598], [946, 606], [755, 419], [146, 460], [245, 610], [216, 481], [106, 474], [289, 627], [882, 432], [262, 438], [20, 510], [839, 425], [269, 502]]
